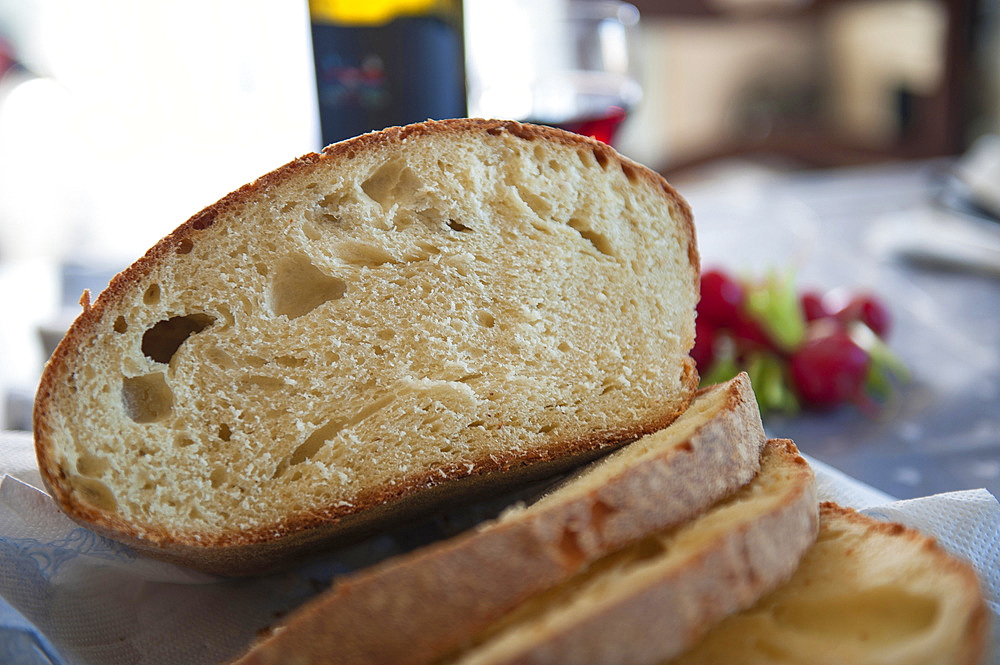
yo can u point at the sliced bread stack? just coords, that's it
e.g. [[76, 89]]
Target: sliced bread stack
[[699, 519], [763, 576], [404, 319]]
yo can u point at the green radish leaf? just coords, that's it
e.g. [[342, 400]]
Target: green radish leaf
[[768, 377], [774, 303]]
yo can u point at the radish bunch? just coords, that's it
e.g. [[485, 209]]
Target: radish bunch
[[801, 351]]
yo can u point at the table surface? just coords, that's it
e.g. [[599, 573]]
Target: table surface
[[942, 432]]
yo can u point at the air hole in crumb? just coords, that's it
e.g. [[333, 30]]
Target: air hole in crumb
[[545, 429], [121, 325], [299, 287], [290, 362], [161, 342], [308, 448], [218, 477], [183, 441], [152, 295], [389, 181], [476, 423], [601, 155], [94, 492], [631, 172], [458, 226], [185, 246], [363, 255], [147, 398], [91, 466], [385, 334], [564, 347], [485, 319], [598, 240], [224, 432], [254, 361]]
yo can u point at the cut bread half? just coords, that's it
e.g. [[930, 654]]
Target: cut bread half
[[651, 600], [867, 592], [416, 607], [401, 320]]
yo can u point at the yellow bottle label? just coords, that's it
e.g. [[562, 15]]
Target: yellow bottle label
[[366, 12]]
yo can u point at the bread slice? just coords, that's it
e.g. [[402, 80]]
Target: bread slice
[[416, 607], [409, 315], [651, 600], [868, 592]]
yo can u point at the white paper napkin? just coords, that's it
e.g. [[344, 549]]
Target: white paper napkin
[[69, 597]]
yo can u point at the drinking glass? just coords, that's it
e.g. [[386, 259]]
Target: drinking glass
[[566, 63]]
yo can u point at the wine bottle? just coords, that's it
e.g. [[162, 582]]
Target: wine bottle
[[386, 62]]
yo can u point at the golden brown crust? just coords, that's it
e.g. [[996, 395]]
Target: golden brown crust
[[207, 550]]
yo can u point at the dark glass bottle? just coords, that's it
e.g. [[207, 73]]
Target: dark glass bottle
[[386, 62]]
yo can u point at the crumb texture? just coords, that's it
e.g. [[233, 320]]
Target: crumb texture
[[402, 310]]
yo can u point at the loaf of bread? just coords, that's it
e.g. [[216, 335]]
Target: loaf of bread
[[414, 608], [408, 317], [867, 592]]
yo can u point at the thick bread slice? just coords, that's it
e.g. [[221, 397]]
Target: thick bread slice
[[416, 607], [653, 599], [868, 592], [363, 332]]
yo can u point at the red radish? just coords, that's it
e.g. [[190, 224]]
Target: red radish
[[870, 311], [813, 307], [703, 352], [721, 298], [829, 370]]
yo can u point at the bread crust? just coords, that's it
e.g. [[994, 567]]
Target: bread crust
[[414, 608], [253, 550]]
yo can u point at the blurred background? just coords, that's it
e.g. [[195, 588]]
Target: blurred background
[[120, 119]]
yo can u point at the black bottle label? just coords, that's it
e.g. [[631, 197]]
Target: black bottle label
[[373, 76]]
